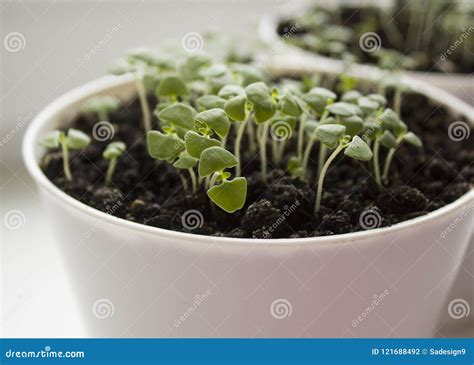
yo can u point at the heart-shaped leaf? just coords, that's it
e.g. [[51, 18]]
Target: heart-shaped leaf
[[229, 91], [354, 124], [171, 85], [259, 95], [185, 161], [229, 195], [207, 102], [216, 119], [178, 114], [77, 140], [343, 109], [367, 105], [215, 159], [164, 146], [51, 139], [388, 140], [358, 149], [330, 134], [317, 98], [289, 105], [195, 143], [114, 150], [389, 119], [235, 108], [412, 139], [351, 96]]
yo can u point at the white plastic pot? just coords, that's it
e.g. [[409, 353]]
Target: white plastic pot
[[279, 50], [140, 281]]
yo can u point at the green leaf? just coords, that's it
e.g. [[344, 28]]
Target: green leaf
[[235, 108], [343, 109], [216, 119], [354, 124], [151, 56], [51, 139], [367, 105], [178, 114], [294, 167], [77, 140], [400, 128], [248, 74], [215, 159], [317, 98], [229, 195], [185, 161], [259, 95], [164, 146], [207, 102], [330, 134], [229, 91], [388, 140], [378, 98], [289, 105], [351, 96], [311, 126], [171, 85], [195, 143], [358, 149], [389, 119], [413, 139], [114, 150], [191, 67], [106, 103]]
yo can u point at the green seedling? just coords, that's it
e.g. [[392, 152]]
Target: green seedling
[[111, 153], [72, 140], [229, 195], [263, 107], [103, 106], [334, 136]]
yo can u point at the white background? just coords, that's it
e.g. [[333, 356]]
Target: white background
[[37, 300]]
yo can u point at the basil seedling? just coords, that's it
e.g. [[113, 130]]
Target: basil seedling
[[73, 139], [111, 153]]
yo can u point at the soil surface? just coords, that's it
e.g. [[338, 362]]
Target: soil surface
[[430, 56], [150, 192]]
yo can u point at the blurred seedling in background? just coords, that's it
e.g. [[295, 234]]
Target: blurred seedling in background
[[111, 153]]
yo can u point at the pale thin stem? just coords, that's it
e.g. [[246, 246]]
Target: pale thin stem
[[378, 180], [193, 180], [263, 149], [397, 100], [143, 103], [307, 152], [237, 142], [66, 168], [323, 151], [251, 136], [301, 137], [388, 162], [319, 191], [103, 115], [110, 171], [183, 182]]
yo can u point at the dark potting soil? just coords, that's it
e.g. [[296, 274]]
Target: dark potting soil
[[433, 57], [149, 192]]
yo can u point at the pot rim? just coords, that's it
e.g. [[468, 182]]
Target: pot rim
[[63, 102], [267, 31]]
